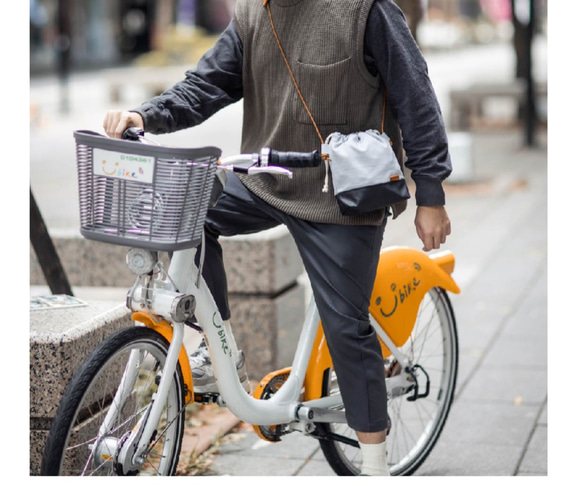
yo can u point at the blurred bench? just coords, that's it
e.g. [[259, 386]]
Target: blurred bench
[[467, 104], [151, 81], [266, 297]]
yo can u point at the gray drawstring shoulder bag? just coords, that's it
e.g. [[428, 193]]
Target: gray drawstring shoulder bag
[[366, 174], [365, 171]]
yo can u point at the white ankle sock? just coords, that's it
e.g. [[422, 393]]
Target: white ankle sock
[[374, 459]]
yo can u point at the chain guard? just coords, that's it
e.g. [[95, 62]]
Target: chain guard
[[267, 387]]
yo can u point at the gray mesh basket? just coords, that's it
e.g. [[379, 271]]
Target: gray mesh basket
[[144, 196]]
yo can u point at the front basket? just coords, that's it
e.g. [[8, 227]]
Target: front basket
[[141, 195]]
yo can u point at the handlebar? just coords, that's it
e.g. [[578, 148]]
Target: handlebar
[[294, 159], [133, 133], [268, 161]]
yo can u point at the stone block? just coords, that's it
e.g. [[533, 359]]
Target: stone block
[[265, 262], [267, 328], [87, 263], [60, 339]]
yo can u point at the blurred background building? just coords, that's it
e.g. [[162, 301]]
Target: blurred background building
[[103, 33]]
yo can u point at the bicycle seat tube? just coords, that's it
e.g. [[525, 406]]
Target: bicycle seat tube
[[184, 273]]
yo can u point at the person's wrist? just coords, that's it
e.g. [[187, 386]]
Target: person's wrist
[[137, 119]]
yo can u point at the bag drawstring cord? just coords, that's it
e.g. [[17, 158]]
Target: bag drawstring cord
[[327, 164]]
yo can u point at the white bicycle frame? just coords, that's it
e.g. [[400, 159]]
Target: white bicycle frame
[[284, 407]]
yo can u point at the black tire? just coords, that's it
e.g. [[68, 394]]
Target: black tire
[[416, 425], [74, 431]]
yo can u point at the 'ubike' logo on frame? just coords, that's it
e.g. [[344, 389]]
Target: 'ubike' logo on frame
[[118, 165]]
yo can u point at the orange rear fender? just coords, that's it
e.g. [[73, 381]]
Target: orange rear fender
[[403, 278]]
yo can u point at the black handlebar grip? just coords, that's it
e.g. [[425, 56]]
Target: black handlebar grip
[[295, 159], [132, 133]]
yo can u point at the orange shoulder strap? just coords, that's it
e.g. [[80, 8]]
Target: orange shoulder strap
[[266, 4]]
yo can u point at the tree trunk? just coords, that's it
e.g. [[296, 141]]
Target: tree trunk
[[524, 21]]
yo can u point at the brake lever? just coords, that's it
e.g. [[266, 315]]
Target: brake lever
[[271, 170], [135, 134]]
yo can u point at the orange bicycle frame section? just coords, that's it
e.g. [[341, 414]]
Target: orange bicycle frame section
[[404, 276]]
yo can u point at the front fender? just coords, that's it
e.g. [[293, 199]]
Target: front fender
[[165, 328], [404, 276]]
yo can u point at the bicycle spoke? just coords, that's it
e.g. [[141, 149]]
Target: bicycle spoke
[[431, 355], [103, 423]]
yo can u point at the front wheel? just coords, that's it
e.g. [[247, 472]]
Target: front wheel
[[105, 401], [416, 424]]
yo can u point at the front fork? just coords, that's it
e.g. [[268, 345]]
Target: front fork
[[131, 450], [150, 297], [157, 302]]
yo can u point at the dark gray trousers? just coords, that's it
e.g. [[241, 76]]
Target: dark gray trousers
[[341, 263]]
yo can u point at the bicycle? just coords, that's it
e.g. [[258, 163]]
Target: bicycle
[[123, 411]]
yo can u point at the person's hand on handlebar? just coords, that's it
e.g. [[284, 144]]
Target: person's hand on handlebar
[[117, 121]]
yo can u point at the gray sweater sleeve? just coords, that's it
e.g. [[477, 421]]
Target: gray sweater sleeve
[[391, 52]]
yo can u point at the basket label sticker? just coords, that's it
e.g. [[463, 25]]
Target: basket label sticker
[[137, 168]]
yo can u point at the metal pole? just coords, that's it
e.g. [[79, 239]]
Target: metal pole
[[530, 102], [63, 46], [46, 253], [524, 17]]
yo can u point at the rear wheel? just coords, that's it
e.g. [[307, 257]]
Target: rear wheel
[[83, 442], [432, 351]]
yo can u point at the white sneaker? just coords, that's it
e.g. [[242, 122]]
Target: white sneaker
[[203, 377]]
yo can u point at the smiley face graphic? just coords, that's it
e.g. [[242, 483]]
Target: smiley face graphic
[[104, 168], [399, 294], [387, 311]]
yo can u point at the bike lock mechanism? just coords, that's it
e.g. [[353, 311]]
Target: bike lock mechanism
[[151, 292], [416, 395]]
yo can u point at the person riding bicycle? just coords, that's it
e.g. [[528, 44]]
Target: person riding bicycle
[[345, 54]]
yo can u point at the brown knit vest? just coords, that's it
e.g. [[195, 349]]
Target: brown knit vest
[[323, 41]]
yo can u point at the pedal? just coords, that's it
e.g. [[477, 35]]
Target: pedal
[[206, 398], [393, 368]]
